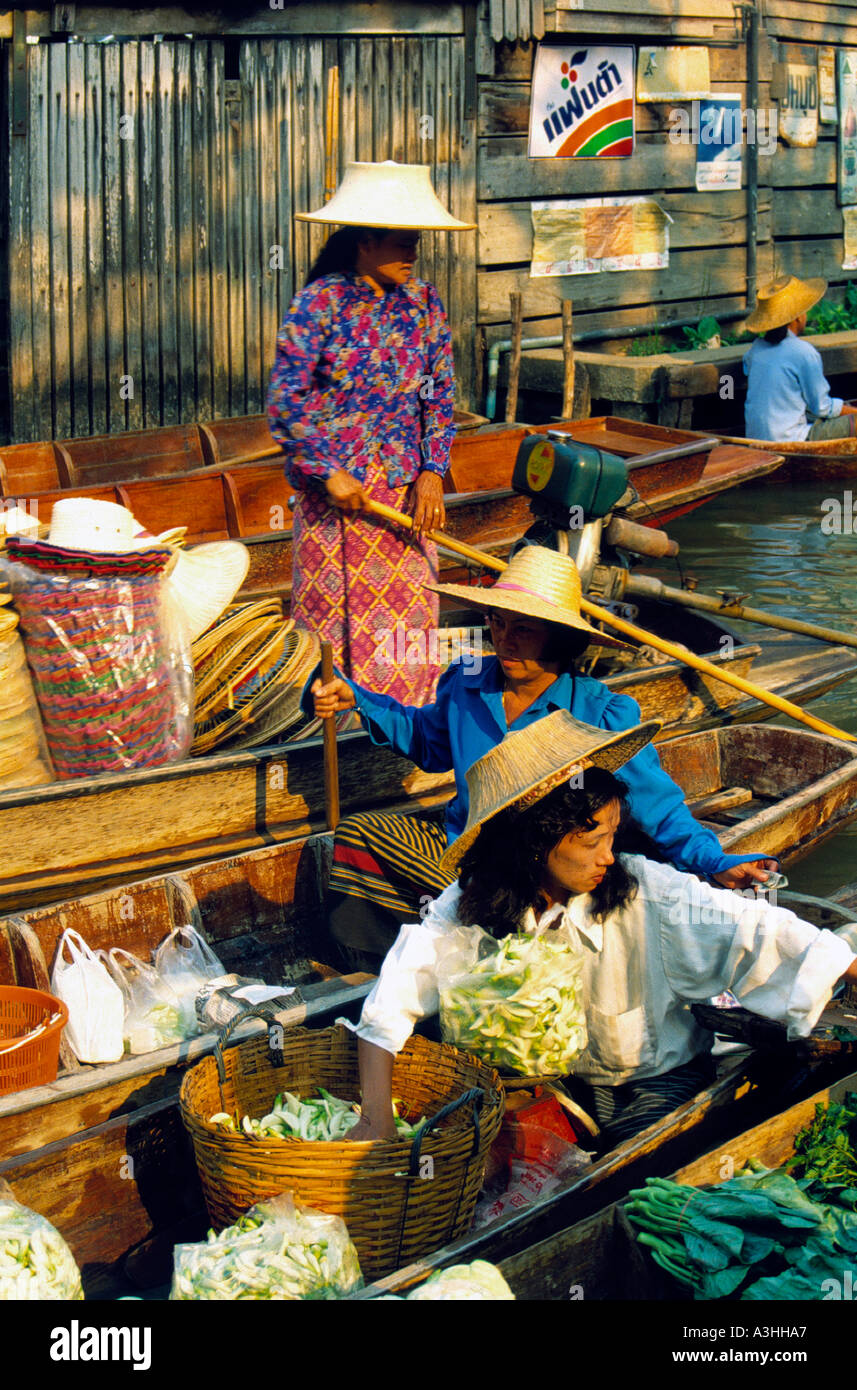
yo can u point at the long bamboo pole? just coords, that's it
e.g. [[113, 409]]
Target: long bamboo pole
[[698, 663]]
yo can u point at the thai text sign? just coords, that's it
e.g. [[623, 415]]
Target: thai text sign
[[583, 103]]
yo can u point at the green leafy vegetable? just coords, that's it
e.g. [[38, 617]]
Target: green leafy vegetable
[[317, 1119]]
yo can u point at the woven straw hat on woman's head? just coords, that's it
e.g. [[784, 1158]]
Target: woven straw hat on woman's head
[[390, 195], [537, 583], [782, 301], [527, 765]]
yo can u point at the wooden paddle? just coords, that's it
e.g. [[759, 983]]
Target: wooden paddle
[[629, 630], [331, 756]]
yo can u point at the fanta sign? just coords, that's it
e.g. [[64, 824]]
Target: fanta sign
[[583, 103]]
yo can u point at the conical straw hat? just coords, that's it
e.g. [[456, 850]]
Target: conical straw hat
[[233, 620], [525, 766], [538, 583], [783, 300], [282, 709], [387, 195], [254, 695], [204, 580]]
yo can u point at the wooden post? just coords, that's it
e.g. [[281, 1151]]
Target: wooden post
[[331, 760], [516, 303], [567, 361]]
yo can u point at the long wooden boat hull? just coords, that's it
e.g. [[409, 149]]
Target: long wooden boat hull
[[250, 501], [601, 1254], [68, 837], [806, 460]]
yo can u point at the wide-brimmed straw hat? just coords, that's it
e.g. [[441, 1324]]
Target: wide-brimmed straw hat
[[537, 583], [527, 765], [387, 195], [782, 301]]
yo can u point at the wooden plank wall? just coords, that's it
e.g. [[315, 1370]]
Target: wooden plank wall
[[149, 196], [707, 237]]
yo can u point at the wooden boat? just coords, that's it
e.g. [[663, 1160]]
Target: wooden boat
[[807, 460], [249, 501], [545, 1252], [101, 1152], [66, 838]]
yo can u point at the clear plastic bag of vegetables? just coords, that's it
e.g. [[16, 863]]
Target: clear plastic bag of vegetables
[[278, 1249], [35, 1262], [154, 1014], [516, 1003]]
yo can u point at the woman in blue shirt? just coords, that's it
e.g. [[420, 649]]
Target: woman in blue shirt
[[388, 866]]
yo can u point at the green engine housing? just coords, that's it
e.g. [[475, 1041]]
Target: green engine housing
[[558, 475]]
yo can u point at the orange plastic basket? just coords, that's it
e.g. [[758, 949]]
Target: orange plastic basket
[[28, 1063]]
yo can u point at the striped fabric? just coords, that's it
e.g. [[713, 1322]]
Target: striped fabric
[[385, 869], [623, 1111]]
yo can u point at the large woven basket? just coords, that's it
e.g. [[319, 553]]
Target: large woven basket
[[399, 1199]]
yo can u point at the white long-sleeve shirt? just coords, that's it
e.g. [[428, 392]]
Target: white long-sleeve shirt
[[678, 940]]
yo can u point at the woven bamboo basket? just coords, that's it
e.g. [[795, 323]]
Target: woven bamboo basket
[[399, 1199]]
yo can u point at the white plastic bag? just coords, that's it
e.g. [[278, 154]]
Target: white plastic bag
[[154, 1015], [96, 1009], [188, 964]]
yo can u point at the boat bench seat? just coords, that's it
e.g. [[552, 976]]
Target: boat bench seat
[[138, 454]]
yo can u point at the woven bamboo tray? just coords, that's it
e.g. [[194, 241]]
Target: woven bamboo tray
[[399, 1199]]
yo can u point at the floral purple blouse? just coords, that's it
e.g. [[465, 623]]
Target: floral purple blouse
[[357, 372]]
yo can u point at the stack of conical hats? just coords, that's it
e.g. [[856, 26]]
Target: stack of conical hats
[[23, 755], [250, 669]]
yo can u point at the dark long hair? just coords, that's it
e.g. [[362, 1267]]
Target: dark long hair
[[501, 874], [338, 255]]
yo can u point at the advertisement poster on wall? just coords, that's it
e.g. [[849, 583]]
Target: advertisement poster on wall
[[846, 72], [719, 138], [583, 103]]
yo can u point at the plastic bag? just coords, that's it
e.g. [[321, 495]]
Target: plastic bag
[[278, 1249], [188, 965], [35, 1262], [96, 1009], [551, 1161], [154, 1014], [111, 667], [516, 1003]]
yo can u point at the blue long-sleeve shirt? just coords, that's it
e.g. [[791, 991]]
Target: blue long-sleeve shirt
[[785, 381], [467, 719]]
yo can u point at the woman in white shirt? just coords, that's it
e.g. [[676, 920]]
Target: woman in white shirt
[[537, 854]]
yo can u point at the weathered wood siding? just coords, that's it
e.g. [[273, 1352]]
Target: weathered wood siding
[[708, 236], [151, 192], [800, 226]]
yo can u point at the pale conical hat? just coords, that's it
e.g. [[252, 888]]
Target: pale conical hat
[[782, 301], [537, 583], [525, 766], [387, 195], [205, 579]]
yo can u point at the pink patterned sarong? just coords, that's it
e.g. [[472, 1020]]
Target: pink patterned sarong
[[358, 583]]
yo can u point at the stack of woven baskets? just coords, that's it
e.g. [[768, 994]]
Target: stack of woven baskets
[[250, 669], [23, 755]]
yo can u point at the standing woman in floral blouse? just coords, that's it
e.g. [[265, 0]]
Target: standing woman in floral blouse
[[361, 400]]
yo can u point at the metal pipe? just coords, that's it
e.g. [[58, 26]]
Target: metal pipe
[[751, 22], [590, 336]]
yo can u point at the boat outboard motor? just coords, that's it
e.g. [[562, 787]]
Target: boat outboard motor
[[573, 488]]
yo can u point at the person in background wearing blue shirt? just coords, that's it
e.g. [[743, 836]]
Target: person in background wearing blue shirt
[[786, 376], [386, 868]]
